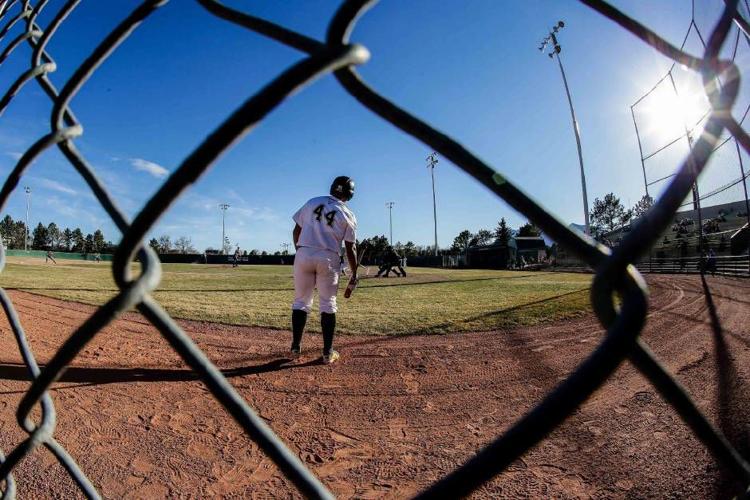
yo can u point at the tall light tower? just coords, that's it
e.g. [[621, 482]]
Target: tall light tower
[[431, 162], [223, 207], [27, 190], [555, 51], [285, 246], [389, 206]]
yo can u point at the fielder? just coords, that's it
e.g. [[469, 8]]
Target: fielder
[[320, 226]]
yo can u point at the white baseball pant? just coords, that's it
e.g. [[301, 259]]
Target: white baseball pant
[[315, 268]]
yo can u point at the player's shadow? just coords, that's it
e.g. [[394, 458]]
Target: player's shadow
[[83, 376], [733, 401]]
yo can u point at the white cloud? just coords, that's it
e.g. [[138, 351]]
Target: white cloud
[[56, 186], [150, 167], [14, 154], [233, 195]]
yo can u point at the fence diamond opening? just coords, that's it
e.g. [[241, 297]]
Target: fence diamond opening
[[615, 274]]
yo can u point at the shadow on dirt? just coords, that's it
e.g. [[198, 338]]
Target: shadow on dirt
[[97, 376], [733, 401]]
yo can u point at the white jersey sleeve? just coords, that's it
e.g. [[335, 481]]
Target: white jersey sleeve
[[326, 222]]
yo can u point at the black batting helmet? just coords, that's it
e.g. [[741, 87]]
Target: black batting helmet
[[342, 188]]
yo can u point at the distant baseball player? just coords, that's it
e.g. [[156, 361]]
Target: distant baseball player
[[236, 261], [49, 256], [320, 226], [391, 260]]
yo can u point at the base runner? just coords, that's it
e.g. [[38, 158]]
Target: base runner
[[320, 226]]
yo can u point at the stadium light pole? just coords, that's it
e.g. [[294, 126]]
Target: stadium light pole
[[389, 206], [431, 162], [555, 51], [27, 190], [223, 207]]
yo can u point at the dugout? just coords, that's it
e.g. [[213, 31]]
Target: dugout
[[493, 256], [520, 251]]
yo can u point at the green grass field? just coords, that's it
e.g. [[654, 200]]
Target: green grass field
[[427, 301]]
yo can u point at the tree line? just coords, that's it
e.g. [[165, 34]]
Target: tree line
[[609, 214], [51, 237], [502, 233], [376, 245]]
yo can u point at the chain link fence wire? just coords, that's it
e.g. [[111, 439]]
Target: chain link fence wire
[[615, 274]]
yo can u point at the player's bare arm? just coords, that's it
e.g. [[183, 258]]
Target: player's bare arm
[[351, 256]]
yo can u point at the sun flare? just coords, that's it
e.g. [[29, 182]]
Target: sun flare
[[670, 115]]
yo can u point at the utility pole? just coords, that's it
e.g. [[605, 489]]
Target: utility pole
[[223, 207], [27, 189], [285, 246], [431, 162], [389, 206], [555, 51]]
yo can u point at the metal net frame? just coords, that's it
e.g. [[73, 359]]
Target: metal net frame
[[615, 274], [691, 129]]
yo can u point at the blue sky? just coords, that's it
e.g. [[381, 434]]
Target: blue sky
[[469, 67]]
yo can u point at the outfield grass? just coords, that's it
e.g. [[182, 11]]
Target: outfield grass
[[428, 301]]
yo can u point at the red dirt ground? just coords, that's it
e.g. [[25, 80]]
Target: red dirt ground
[[393, 416]]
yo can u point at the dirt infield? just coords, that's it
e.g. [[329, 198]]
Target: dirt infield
[[394, 415]]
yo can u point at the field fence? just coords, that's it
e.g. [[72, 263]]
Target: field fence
[[615, 274], [724, 265]]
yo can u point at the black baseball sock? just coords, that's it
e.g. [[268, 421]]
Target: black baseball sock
[[328, 325], [299, 318]]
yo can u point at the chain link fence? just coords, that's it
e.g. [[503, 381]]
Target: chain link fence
[[615, 274]]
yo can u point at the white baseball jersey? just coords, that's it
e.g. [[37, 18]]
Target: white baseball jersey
[[326, 222]]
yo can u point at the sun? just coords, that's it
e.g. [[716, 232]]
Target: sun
[[668, 114]]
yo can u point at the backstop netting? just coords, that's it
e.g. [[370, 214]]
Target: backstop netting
[[673, 113]]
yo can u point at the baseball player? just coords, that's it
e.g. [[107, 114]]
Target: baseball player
[[236, 261], [49, 256], [391, 260], [320, 226]]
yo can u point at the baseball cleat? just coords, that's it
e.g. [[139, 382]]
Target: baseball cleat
[[295, 352], [331, 358]]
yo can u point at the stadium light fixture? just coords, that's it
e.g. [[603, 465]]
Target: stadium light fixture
[[389, 206], [431, 162], [27, 190], [223, 207], [555, 51]]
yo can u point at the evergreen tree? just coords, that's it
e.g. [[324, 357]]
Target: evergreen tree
[[643, 206], [6, 230], [99, 244], [529, 229], [40, 239], [54, 235], [607, 215], [462, 242], [19, 234], [88, 246], [66, 240], [78, 241], [502, 233]]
